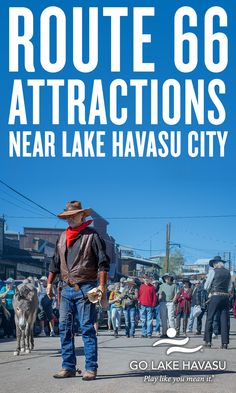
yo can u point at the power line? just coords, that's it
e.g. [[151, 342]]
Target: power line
[[35, 210], [172, 217], [126, 218], [15, 204], [25, 197], [200, 249], [144, 218], [31, 217], [140, 249]]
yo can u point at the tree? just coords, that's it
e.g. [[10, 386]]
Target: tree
[[176, 262]]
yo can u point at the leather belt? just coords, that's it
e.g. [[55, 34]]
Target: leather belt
[[220, 293], [67, 284]]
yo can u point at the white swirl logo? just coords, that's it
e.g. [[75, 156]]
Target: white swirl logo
[[171, 333]]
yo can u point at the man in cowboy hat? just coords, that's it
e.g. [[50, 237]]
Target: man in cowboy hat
[[129, 304], [167, 294], [80, 253], [218, 285]]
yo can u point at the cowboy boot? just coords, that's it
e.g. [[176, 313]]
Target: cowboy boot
[[64, 373], [89, 375]]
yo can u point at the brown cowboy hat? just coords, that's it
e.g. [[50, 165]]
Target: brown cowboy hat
[[72, 208]]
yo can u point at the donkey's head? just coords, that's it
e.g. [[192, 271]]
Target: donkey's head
[[22, 305]]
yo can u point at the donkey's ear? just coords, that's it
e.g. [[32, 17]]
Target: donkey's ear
[[17, 294]]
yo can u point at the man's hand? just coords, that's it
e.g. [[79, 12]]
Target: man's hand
[[49, 291], [102, 288], [103, 301]]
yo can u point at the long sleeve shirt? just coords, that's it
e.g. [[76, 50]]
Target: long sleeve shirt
[[147, 295], [209, 279]]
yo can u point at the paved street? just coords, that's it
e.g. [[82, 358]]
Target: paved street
[[33, 373]]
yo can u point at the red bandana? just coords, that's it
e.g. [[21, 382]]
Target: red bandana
[[72, 233]]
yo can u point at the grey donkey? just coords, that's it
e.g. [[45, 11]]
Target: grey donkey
[[25, 304]]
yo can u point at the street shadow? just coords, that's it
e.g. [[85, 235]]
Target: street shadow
[[78, 352], [126, 346], [214, 347], [36, 350]]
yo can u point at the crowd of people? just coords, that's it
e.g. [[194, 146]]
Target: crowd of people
[[157, 304], [154, 304], [160, 304]]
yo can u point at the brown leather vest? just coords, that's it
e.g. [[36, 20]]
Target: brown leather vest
[[84, 267]]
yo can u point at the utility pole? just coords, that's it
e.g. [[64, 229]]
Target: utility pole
[[167, 246], [227, 258], [230, 262]]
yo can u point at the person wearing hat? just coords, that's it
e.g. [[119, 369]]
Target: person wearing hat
[[115, 303], [129, 303], [218, 284], [199, 298], [45, 308], [183, 305], [122, 284], [79, 254], [121, 289], [167, 293], [6, 295]]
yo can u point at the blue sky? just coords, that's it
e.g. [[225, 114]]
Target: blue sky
[[127, 187]]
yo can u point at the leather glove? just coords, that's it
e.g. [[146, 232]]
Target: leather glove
[[49, 291], [103, 301], [102, 287]]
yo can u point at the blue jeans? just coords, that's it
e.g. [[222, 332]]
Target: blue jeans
[[158, 319], [74, 304], [191, 320], [146, 320], [129, 313], [115, 317]]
